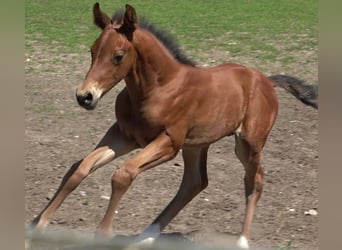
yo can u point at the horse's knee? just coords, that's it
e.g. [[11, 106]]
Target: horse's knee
[[122, 178]]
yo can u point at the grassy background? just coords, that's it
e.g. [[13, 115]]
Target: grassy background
[[266, 30]]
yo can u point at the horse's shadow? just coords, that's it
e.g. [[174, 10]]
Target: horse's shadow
[[165, 241]]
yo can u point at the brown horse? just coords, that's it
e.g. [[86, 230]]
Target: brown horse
[[169, 105]]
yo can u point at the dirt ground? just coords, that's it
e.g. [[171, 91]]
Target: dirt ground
[[58, 133]]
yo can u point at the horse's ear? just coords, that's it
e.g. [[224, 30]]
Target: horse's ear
[[130, 22], [100, 18]]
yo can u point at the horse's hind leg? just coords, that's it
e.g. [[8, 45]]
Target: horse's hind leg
[[112, 145], [250, 158]]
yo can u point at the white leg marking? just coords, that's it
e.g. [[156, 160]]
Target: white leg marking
[[27, 244], [243, 242], [141, 244], [146, 238]]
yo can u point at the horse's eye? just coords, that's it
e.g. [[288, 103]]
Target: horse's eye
[[118, 58]]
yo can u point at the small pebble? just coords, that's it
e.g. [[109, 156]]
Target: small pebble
[[105, 197], [312, 212]]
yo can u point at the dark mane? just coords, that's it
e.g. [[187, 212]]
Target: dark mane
[[162, 35]]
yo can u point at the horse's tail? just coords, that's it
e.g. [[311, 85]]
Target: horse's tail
[[308, 94]]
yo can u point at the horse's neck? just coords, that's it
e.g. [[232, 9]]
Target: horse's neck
[[154, 59], [155, 66]]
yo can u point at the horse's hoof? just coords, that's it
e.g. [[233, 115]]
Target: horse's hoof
[[243, 243], [145, 243]]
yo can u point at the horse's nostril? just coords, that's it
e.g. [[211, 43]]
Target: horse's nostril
[[88, 99]]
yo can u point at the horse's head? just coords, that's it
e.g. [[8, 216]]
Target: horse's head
[[112, 56]]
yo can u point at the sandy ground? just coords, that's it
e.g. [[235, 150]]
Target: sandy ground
[[59, 132]]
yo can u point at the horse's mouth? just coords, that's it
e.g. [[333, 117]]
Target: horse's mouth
[[89, 106]]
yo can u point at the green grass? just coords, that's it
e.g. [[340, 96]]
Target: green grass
[[46, 108], [288, 246], [237, 26]]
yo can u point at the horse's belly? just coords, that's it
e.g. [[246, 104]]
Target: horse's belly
[[209, 134]]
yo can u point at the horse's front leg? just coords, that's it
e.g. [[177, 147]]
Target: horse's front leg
[[158, 151], [194, 180], [112, 145]]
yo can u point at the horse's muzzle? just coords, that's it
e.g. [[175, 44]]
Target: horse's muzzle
[[86, 101]]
